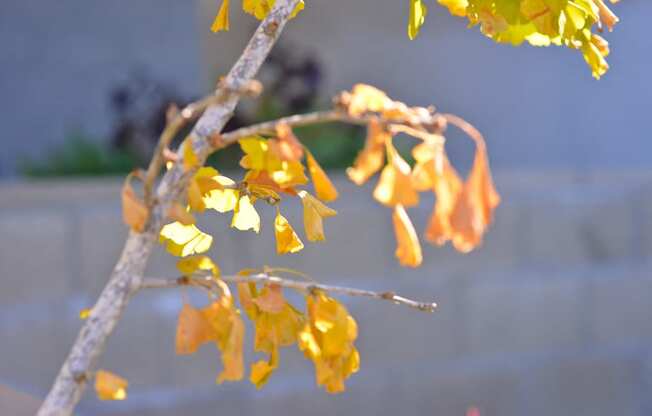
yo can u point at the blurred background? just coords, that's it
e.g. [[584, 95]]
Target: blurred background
[[551, 316]]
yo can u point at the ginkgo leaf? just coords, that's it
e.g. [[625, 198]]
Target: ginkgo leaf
[[418, 12], [228, 334], [190, 159], [456, 7], [222, 200], [260, 8], [109, 386], [134, 211], [327, 339], [205, 180], [473, 211], [184, 240], [313, 213], [395, 183], [365, 98], [245, 216], [189, 265], [193, 330], [408, 248], [447, 186], [221, 21], [178, 212], [286, 146], [324, 188], [370, 160], [287, 241], [270, 299], [260, 373]]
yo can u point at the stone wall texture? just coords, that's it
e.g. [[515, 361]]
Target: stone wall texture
[[550, 317]]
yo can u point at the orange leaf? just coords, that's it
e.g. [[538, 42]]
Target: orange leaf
[[447, 186], [408, 248], [109, 386], [192, 330], [286, 146], [134, 211], [395, 184], [324, 188], [178, 212], [371, 158], [270, 299], [473, 210]]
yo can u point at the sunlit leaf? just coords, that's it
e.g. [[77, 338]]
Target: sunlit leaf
[[189, 265], [184, 240], [287, 241], [324, 188], [245, 216], [313, 213], [418, 12], [109, 386], [221, 21]]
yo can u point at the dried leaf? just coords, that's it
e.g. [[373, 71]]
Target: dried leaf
[[287, 240], [408, 248], [193, 330], [189, 265], [109, 386], [286, 146], [324, 188], [134, 211], [178, 212], [371, 158], [447, 186], [365, 98], [313, 213], [395, 184], [473, 211], [270, 299]]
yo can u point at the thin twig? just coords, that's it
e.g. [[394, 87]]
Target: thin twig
[[305, 287]]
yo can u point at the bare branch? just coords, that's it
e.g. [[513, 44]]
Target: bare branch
[[128, 272], [305, 287]]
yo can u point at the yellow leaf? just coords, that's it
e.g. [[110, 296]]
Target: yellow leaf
[[371, 158], [184, 240], [221, 21], [190, 159], [193, 330], [365, 98], [287, 241], [134, 211], [327, 339], [245, 216], [260, 8], [109, 386], [395, 184], [324, 188], [455, 7], [418, 12], [199, 187], [222, 200], [313, 213], [84, 314], [189, 265], [408, 250], [260, 372]]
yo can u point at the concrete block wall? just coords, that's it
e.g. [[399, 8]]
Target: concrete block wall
[[550, 317]]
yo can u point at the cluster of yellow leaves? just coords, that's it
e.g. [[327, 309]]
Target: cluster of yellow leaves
[[276, 324], [327, 339], [540, 22], [257, 8], [326, 336], [463, 210]]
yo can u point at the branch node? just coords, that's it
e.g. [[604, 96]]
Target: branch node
[[271, 28]]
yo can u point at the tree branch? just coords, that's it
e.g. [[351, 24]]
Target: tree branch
[[306, 287], [128, 273]]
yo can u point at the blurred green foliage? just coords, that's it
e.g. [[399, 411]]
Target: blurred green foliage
[[80, 155]]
